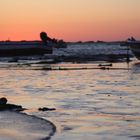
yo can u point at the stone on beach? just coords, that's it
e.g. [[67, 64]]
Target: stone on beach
[[3, 101]]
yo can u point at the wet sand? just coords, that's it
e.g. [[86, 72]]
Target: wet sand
[[19, 126]]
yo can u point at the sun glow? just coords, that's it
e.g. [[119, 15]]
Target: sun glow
[[70, 20]]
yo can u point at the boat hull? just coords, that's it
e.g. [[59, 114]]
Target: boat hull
[[25, 52], [135, 47], [24, 49], [136, 50]]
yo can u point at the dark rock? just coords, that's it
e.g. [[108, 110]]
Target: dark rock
[[46, 109], [3, 101], [5, 106], [11, 107]]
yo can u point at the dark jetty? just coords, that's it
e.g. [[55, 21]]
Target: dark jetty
[[4, 106]]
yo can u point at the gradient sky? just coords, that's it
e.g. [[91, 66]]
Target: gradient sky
[[71, 20]]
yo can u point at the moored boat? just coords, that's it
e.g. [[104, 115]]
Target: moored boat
[[24, 48], [134, 46], [27, 48]]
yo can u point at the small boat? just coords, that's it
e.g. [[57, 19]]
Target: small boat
[[134, 46], [27, 48]]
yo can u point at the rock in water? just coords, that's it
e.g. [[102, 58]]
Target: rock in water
[[3, 101], [5, 106]]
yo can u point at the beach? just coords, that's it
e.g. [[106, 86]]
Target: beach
[[92, 100], [15, 126]]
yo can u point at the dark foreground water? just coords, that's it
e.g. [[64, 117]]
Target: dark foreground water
[[90, 103]]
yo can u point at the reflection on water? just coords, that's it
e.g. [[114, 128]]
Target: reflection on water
[[90, 104]]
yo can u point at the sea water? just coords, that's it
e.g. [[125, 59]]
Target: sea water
[[90, 103]]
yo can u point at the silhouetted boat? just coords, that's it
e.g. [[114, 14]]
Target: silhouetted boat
[[134, 46], [24, 48]]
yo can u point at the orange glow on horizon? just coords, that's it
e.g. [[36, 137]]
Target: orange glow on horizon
[[70, 20]]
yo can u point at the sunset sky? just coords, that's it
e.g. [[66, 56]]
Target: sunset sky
[[71, 20]]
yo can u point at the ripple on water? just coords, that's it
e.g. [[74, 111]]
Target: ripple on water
[[90, 104]]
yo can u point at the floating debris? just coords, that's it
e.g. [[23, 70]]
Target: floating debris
[[109, 65], [46, 109]]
